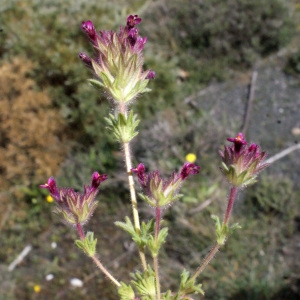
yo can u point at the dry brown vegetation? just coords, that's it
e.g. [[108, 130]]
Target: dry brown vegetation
[[32, 138]]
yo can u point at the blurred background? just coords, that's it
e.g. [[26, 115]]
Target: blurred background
[[204, 54]]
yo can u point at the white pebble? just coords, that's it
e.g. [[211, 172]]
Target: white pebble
[[49, 277], [281, 110], [76, 282]]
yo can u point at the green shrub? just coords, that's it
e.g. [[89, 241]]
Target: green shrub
[[205, 34]]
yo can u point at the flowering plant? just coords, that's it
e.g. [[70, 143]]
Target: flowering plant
[[118, 68]]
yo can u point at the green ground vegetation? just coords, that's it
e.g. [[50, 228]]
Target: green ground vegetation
[[56, 126]]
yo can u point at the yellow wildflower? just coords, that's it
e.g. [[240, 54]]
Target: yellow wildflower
[[191, 157], [49, 199], [37, 288]]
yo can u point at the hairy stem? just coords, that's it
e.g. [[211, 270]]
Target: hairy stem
[[156, 270], [96, 259], [80, 231], [232, 196], [134, 205], [216, 247], [135, 213], [157, 222], [105, 271], [206, 261], [155, 258], [131, 187]]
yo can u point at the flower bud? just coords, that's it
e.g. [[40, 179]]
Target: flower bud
[[89, 29], [87, 60]]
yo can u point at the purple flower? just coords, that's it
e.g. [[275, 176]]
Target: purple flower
[[97, 179], [133, 20], [75, 207], [189, 169], [242, 163], [159, 192], [238, 142], [51, 186]]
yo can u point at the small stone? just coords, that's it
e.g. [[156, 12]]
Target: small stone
[[296, 131], [49, 277], [76, 282]]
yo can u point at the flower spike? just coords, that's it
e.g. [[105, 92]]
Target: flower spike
[[76, 208], [119, 60], [241, 163], [159, 192]]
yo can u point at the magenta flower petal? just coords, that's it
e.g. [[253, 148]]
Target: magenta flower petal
[[133, 20], [141, 173], [97, 179], [51, 186], [238, 142], [189, 169]]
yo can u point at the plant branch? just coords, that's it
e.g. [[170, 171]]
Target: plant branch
[[216, 247], [80, 231], [206, 261], [155, 258], [232, 195], [157, 283], [105, 271], [135, 213], [96, 259], [134, 205]]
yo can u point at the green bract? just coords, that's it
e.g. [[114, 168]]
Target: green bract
[[123, 127], [88, 245]]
